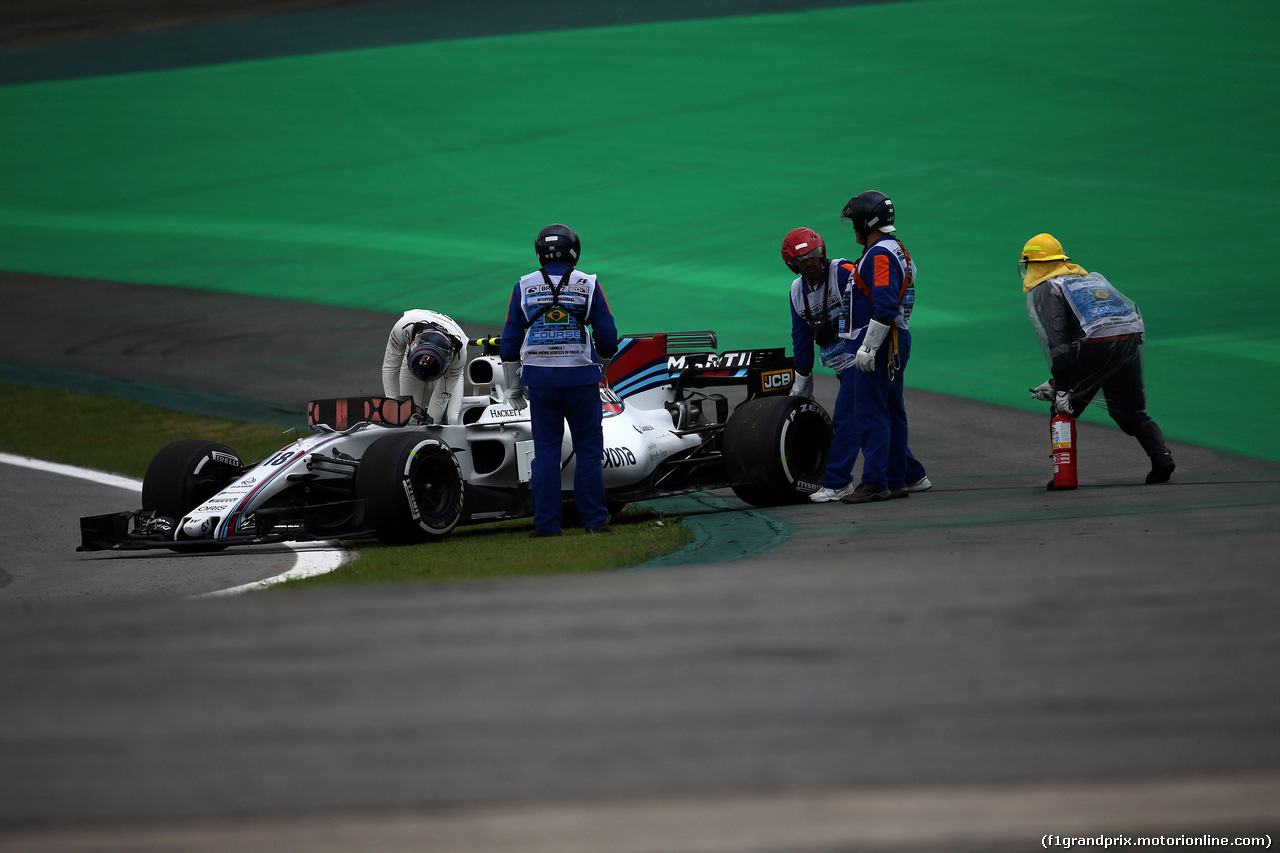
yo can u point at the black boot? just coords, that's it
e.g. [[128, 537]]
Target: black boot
[[1152, 440]]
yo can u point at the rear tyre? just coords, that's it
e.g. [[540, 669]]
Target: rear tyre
[[775, 449], [415, 486]]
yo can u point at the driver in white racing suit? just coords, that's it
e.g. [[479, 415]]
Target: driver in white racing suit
[[425, 359]]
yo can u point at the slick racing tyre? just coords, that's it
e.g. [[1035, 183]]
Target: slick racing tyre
[[775, 449], [414, 484], [185, 474]]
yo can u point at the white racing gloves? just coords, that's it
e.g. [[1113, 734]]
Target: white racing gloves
[[517, 394], [865, 360], [1043, 392], [803, 386]]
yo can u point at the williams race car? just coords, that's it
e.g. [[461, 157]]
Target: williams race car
[[373, 466]]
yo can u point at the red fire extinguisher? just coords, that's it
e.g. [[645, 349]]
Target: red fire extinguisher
[[1062, 430]]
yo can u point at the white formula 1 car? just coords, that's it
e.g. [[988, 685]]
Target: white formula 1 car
[[373, 468]]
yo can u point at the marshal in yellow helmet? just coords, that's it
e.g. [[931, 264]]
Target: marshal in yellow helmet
[[1043, 247], [1042, 259]]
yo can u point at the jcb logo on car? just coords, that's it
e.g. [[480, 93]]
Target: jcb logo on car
[[775, 379]]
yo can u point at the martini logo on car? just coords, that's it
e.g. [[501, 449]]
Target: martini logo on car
[[710, 360]]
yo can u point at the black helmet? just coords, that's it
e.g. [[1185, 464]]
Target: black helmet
[[430, 356], [869, 211], [557, 243]]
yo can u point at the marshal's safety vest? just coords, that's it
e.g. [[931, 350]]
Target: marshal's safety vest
[[824, 301], [557, 311], [827, 302], [1101, 310]]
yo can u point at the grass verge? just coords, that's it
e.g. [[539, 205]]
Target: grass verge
[[121, 436], [503, 549], [113, 434]]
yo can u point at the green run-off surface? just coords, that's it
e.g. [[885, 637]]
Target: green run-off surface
[[1142, 134]]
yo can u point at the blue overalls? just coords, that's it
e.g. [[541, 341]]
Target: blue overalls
[[546, 329]]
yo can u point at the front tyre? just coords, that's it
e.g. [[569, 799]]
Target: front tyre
[[185, 474], [775, 449], [415, 486]]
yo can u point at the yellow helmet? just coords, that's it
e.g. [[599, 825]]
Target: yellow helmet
[[1046, 251], [1043, 247]]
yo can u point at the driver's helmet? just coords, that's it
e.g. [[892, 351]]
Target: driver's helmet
[[430, 355], [801, 243]]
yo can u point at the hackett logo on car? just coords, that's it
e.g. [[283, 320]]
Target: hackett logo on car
[[771, 380]]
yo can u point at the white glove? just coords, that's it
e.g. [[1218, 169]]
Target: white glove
[[803, 386], [1043, 392], [1062, 403], [517, 394], [871, 341]]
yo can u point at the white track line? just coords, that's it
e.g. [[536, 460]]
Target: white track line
[[71, 471], [310, 558]]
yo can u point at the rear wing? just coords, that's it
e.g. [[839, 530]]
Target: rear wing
[[688, 360]]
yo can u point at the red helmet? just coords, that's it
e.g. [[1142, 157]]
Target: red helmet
[[801, 243]]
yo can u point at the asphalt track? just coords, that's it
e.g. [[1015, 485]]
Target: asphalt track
[[971, 668]]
